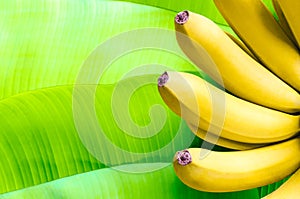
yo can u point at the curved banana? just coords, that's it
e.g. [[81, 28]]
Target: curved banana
[[256, 26], [237, 170], [220, 141], [218, 56], [290, 9], [288, 190], [215, 111], [283, 22]]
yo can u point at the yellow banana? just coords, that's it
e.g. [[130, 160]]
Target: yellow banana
[[256, 26], [215, 111], [214, 139], [217, 55], [228, 171], [241, 45], [290, 189], [283, 22], [290, 9]]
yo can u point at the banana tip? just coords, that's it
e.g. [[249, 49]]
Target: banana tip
[[184, 157], [162, 80], [182, 17]]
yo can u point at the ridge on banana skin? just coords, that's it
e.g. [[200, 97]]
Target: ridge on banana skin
[[241, 45], [288, 190], [227, 143], [283, 22], [228, 171], [223, 60], [207, 107], [259, 30], [290, 9]]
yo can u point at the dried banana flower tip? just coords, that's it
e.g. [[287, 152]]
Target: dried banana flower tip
[[182, 17], [184, 157], [162, 80]]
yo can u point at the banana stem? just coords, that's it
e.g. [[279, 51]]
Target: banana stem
[[184, 157], [182, 17], [162, 80]]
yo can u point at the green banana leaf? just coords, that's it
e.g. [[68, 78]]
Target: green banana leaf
[[112, 183], [46, 150], [43, 144]]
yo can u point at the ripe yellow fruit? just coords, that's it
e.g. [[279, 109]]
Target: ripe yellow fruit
[[227, 171], [283, 22], [256, 26], [220, 141], [207, 107], [290, 10], [241, 45], [224, 61]]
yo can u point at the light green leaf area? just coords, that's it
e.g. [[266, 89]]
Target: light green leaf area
[[42, 140], [45, 43], [203, 7], [39, 142], [112, 183]]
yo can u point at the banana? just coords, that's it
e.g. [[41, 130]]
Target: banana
[[241, 45], [213, 139], [290, 9], [218, 56], [288, 190], [256, 26], [283, 22], [215, 111], [228, 171]]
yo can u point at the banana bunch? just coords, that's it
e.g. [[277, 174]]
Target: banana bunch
[[257, 114]]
